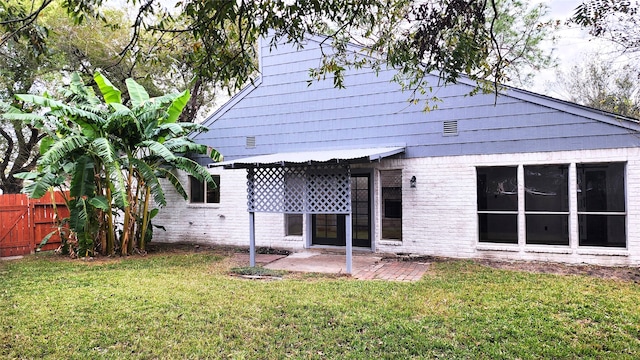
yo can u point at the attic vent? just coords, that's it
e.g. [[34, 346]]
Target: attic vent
[[251, 142], [450, 128]]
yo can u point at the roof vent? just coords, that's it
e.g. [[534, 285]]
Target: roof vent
[[251, 142], [450, 128]]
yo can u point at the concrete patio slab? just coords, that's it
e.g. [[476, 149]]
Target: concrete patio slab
[[322, 263], [261, 259], [365, 266]]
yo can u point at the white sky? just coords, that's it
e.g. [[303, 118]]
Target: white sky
[[573, 45]]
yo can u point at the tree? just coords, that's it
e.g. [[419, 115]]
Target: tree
[[614, 20], [24, 57], [42, 53], [519, 30], [619, 23], [211, 44], [601, 84], [111, 156], [95, 45], [450, 37]]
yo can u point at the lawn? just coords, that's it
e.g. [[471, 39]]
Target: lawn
[[188, 306]]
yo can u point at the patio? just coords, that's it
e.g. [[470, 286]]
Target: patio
[[365, 266]]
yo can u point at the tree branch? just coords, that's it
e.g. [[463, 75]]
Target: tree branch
[[179, 31], [136, 27], [496, 78], [7, 155], [31, 17], [28, 20], [24, 149]]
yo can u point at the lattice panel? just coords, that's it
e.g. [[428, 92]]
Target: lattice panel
[[299, 190]]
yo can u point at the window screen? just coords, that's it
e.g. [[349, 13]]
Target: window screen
[[497, 198], [601, 204], [391, 181], [293, 224], [547, 204]]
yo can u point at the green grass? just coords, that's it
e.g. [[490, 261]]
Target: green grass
[[188, 306]]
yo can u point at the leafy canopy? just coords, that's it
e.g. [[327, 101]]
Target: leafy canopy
[[482, 39], [111, 157]]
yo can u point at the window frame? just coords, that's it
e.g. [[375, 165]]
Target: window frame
[[535, 213], [399, 219], [573, 214], [586, 213], [205, 189], [498, 212], [286, 224]]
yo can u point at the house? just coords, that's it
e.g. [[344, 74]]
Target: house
[[517, 177]]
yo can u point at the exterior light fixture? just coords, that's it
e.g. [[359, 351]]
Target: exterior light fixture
[[412, 182]]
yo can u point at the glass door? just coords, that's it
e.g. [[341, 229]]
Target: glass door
[[329, 229]]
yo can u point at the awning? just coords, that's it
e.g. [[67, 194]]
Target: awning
[[313, 157]]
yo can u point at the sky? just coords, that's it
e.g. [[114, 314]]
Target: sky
[[572, 46]]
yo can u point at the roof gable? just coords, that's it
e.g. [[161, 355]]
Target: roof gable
[[284, 112]]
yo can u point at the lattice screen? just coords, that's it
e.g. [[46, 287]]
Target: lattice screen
[[299, 190]]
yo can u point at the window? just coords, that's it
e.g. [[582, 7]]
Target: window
[[601, 204], [498, 204], [391, 181], [601, 207], [202, 193], [547, 204], [293, 224]]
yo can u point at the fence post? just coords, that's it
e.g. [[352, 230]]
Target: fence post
[[32, 223]]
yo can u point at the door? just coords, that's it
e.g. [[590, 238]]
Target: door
[[329, 229], [15, 234]]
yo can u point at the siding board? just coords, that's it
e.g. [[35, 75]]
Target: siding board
[[285, 113]]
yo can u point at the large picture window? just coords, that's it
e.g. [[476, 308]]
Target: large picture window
[[497, 189], [547, 204], [391, 181], [203, 193], [601, 204]]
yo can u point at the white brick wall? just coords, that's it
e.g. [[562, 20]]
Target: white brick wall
[[439, 214], [226, 223]]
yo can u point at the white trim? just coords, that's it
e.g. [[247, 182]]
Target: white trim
[[390, 242], [602, 251], [499, 212], [549, 249], [574, 224], [601, 213], [204, 205], [498, 247]]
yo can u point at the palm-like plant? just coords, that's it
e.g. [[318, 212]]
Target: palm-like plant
[[112, 157]]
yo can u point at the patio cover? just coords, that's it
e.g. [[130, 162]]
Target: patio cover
[[312, 157], [309, 182]]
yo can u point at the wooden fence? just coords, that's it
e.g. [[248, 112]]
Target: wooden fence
[[25, 222]]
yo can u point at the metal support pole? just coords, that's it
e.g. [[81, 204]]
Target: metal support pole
[[349, 235], [252, 239]]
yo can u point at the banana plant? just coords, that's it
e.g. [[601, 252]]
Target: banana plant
[[111, 156]]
